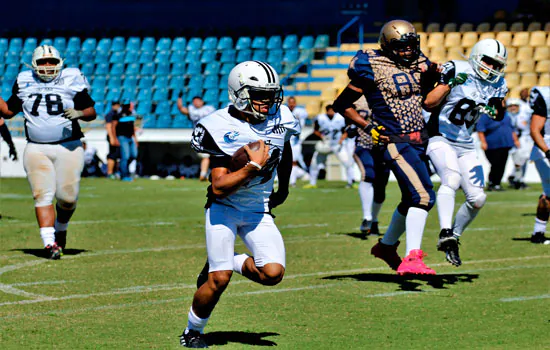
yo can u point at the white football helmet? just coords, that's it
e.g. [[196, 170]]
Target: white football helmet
[[46, 53], [255, 81], [490, 51]]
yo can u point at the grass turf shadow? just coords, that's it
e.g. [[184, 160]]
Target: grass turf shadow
[[248, 338], [41, 253]]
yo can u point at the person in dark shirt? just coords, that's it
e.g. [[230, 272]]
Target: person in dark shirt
[[114, 145], [123, 124]]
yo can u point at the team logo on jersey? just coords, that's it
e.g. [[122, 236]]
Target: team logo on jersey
[[231, 136], [279, 129]]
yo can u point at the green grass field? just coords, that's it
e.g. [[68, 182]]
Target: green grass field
[[134, 250]]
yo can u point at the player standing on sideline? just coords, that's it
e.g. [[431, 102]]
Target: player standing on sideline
[[52, 99], [465, 90], [521, 119], [329, 127], [240, 202], [196, 111], [298, 165], [390, 80], [540, 132]]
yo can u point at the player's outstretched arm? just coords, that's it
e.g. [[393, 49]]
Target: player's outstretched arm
[[283, 173], [5, 111], [537, 124]]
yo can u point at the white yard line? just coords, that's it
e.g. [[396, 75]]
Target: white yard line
[[536, 297]]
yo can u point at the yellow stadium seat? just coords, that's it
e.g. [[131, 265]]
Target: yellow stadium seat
[[433, 27], [435, 39], [548, 40], [512, 53], [544, 79], [514, 92], [438, 54], [487, 35], [528, 80], [520, 39], [526, 66], [537, 38], [466, 27], [547, 27], [452, 39], [511, 66], [543, 66], [450, 27], [419, 26], [524, 53], [512, 79], [500, 27], [541, 53], [534, 26], [516, 27], [455, 53], [504, 37], [469, 39], [423, 40], [483, 27]]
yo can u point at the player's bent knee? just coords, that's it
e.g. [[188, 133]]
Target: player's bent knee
[[218, 280], [272, 274], [543, 208], [478, 201], [66, 205], [452, 180], [42, 198]]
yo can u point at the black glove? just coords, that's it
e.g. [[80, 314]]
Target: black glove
[[13, 152], [547, 154]]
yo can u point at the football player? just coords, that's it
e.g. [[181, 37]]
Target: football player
[[521, 118], [240, 202], [390, 80], [466, 90], [298, 165], [540, 132], [53, 99], [329, 127]]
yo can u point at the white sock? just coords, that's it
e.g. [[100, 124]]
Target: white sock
[[376, 207], [293, 176], [313, 174], [464, 216], [366, 193], [445, 205], [194, 322], [350, 175], [395, 230], [238, 262], [48, 235], [518, 172], [540, 226], [416, 221], [61, 226]]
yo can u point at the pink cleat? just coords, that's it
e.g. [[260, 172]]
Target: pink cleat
[[413, 264], [388, 253]]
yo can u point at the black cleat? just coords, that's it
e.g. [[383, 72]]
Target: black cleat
[[448, 243], [374, 230], [193, 339], [61, 238], [540, 238], [203, 275], [365, 227], [53, 252]]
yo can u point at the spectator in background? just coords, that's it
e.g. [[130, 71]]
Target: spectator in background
[[521, 120], [298, 165], [123, 123], [5, 134], [114, 145], [187, 168], [496, 138], [92, 163], [195, 112]]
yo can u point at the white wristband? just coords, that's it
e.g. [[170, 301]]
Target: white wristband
[[255, 164]]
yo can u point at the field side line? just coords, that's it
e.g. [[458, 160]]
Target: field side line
[[536, 297], [404, 292], [24, 284], [8, 289]]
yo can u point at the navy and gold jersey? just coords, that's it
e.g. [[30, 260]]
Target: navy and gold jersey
[[393, 92]]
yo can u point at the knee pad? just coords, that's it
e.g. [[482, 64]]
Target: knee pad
[[66, 205], [543, 208], [379, 195], [478, 201], [452, 179], [43, 198]]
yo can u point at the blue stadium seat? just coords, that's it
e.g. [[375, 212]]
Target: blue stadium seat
[[244, 55], [113, 94], [16, 44], [87, 69], [306, 55], [146, 57], [130, 56], [321, 42], [145, 83], [119, 44], [211, 82], [46, 41], [149, 122], [98, 94], [164, 44], [11, 72], [193, 56], [177, 57], [130, 82], [89, 44], [226, 68], [73, 44], [143, 107], [4, 43], [176, 83], [259, 42], [148, 44], [211, 97], [12, 57], [306, 42], [212, 68], [147, 69], [243, 43], [291, 56], [1, 72], [104, 45], [274, 42], [86, 56], [60, 44], [71, 58], [259, 55], [163, 68], [193, 68], [164, 121], [102, 56], [274, 55], [160, 95], [210, 43], [25, 68], [162, 56], [117, 70], [179, 123], [175, 112], [163, 109], [26, 57], [161, 82], [132, 69], [30, 44], [128, 94], [178, 44], [278, 66], [100, 109], [290, 42], [133, 44], [225, 43], [144, 95], [102, 69], [194, 44], [208, 56], [228, 56], [114, 82], [178, 69], [195, 82], [223, 81]]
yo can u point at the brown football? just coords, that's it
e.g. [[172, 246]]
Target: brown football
[[240, 157]]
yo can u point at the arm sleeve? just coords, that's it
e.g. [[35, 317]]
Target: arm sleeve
[[202, 142], [496, 102], [537, 103], [5, 133], [316, 126], [82, 100], [360, 72], [14, 102], [448, 72], [482, 123]]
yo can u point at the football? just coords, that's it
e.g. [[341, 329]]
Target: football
[[240, 157]]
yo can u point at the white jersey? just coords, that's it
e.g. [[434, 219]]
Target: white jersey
[[196, 114], [43, 104], [331, 128], [221, 135], [299, 113], [540, 104], [459, 111]]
